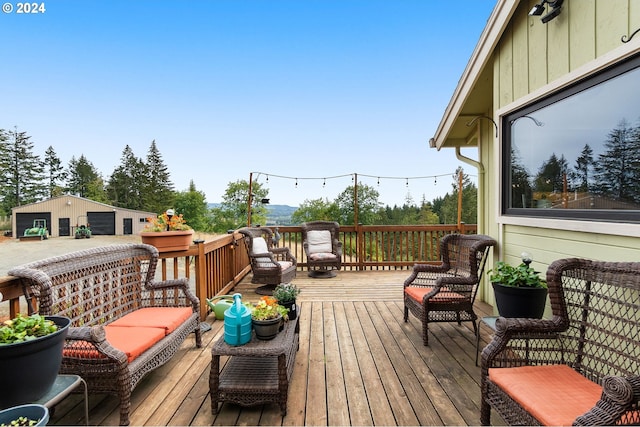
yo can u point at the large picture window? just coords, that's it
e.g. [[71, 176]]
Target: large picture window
[[576, 154]]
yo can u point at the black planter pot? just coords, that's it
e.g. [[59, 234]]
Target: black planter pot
[[29, 369], [293, 311], [520, 302], [267, 329]]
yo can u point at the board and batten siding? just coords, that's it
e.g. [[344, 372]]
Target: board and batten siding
[[530, 60], [531, 54]]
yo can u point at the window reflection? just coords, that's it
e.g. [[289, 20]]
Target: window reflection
[[578, 150]]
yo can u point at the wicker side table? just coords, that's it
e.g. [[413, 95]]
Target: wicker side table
[[257, 372]]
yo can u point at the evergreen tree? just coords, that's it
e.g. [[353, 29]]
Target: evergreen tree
[[55, 172], [521, 190], [22, 172], [551, 175], [127, 181], [84, 180], [157, 189], [618, 168], [4, 169], [584, 164], [193, 207], [448, 207]]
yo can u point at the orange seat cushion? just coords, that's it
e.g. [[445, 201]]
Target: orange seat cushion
[[167, 318], [553, 394], [417, 293], [133, 341]]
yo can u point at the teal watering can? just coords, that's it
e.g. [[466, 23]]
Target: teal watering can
[[237, 323], [218, 308]]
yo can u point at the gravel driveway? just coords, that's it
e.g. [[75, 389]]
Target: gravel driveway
[[13, 252]]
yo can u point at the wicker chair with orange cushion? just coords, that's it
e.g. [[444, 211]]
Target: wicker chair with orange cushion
[[322, 248], [445, 292], [270, 265], [580, 367]]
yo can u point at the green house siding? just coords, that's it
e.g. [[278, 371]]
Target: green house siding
[[529, 60], [531, 54]]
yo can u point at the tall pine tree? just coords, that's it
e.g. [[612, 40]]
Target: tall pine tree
[[55, 172], [84, 180], [158, 189], [22, 171]]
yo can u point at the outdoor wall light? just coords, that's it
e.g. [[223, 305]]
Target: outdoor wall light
[[538, 10]]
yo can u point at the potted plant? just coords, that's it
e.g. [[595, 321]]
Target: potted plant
[[25, 415], [285, 294], [267, 316], [519, 290], [30, 356], [167, 232]]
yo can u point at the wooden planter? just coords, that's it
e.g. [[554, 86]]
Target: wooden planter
[[168, 241]]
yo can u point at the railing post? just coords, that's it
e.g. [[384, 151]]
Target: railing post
[[201, 279], [360, 245]]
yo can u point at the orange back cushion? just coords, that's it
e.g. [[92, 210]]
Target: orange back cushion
[[167, 318]]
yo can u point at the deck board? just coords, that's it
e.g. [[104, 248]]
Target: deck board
[[358, 364]]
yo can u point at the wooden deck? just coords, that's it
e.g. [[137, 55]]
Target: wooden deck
[[358, 364]]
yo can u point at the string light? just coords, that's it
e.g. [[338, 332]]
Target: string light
[[353, 175]]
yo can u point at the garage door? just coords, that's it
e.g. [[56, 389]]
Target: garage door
[[25, 220], [102, 223]]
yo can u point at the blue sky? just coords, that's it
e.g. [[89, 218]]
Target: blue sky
[[296, 89]]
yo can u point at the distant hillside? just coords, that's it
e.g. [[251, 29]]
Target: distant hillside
[[277, 214]]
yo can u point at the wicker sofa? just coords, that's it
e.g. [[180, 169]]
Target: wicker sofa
[[123, 323], [581, 366]]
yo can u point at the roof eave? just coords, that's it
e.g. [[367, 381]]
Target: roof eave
[[496, 24]]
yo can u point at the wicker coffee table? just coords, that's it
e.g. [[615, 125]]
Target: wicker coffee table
[[257, 372]]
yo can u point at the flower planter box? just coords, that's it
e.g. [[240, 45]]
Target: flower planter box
[[168, 241]]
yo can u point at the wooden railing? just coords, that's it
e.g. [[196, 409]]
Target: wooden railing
[[215, 267]]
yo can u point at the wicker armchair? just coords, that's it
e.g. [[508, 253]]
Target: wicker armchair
[[270, 266], [445, 292], [322, 248], [581, 366]]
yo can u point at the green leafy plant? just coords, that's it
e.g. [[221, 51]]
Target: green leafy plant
[[21, 421], [25, 328], [286, 292], [268, 308], [519, 276]]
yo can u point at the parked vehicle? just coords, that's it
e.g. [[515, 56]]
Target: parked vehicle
[[39, 231]]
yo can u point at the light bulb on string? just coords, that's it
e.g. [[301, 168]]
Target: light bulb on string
[[324, 183], [407, 184], [435, 180], [267, 179], [296, 182], [378, 181]]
